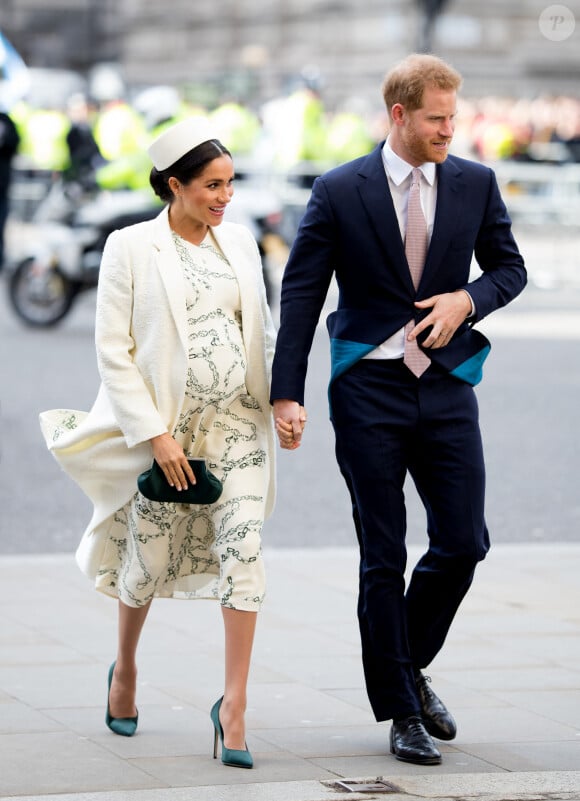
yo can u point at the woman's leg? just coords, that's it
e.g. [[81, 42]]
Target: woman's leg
[[124, 684], [239, 637]]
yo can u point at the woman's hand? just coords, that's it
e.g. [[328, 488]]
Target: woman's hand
[[173, 461], [290, 419]]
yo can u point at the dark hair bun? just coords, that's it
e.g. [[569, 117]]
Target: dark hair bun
[[160, 185]]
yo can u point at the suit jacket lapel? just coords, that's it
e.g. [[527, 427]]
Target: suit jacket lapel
[[450, 204], [171, 272], [378, 202]]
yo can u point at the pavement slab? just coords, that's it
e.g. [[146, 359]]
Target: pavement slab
[[510, 672]]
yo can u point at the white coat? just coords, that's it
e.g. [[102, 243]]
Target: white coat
[[140, 334]]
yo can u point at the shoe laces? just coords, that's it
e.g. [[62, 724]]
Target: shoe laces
[[424, 682], [415, 727]]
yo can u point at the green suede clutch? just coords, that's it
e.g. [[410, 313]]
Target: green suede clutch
[[207, 488]]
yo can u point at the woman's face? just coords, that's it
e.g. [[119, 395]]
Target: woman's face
[[204, 199]]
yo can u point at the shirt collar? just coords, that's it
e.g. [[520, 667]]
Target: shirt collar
[[399, 170]]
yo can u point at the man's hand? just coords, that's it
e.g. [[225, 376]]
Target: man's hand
[[173, 461], [448, 312], [290, 419]]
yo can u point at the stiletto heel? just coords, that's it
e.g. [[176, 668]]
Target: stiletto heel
[[230, 756], [126, 727]]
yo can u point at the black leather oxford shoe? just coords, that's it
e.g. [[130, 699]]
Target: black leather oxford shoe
[[437, 719], [410, 742]]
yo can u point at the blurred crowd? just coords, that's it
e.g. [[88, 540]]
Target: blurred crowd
[[103, 145], [109, 140], [544, 128]]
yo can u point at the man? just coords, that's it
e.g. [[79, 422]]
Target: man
[[9, 140], [404, 359]]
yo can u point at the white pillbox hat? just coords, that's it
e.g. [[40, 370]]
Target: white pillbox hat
[[178, 140]]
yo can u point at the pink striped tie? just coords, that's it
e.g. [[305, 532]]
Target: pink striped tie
[[416, 251]]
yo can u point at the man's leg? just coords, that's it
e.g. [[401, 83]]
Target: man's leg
[[373, 409], [373, 412], [448, 469]]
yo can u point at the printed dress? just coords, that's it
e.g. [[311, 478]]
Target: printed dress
[[212, 551]]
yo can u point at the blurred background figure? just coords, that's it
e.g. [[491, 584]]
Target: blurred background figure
[[9, 140], [237, 125], [295, 124], [118, 128], [84, 153], [43, 136], [132, 127], [13, 84], [348, 134]]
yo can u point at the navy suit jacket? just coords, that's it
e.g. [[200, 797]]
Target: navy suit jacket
[[350, 230]]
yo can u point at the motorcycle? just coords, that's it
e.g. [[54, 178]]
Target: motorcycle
[[56, 255]]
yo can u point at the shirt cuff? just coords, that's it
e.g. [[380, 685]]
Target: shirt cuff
[[472, 312]]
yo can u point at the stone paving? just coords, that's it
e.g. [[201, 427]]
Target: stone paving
[[510, 672]]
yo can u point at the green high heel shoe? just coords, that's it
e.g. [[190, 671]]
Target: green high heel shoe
[[126, 727], [230, 756]]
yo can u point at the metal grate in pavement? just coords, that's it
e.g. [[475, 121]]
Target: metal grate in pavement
[[365, 786]]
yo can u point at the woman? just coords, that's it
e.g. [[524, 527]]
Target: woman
[[184, 343]]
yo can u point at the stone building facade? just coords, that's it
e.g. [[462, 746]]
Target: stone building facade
[[255, 49]]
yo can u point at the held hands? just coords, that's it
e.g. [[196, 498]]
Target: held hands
[[448, 311], [172, 460], [290, 419]]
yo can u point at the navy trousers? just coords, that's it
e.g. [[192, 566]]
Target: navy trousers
[[389, 423]]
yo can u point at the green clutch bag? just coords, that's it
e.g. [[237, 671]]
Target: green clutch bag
[[207, 488]]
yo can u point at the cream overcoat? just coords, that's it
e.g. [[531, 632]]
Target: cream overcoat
[[141, 340]]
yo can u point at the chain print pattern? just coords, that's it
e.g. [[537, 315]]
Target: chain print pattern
[[213, 551]]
